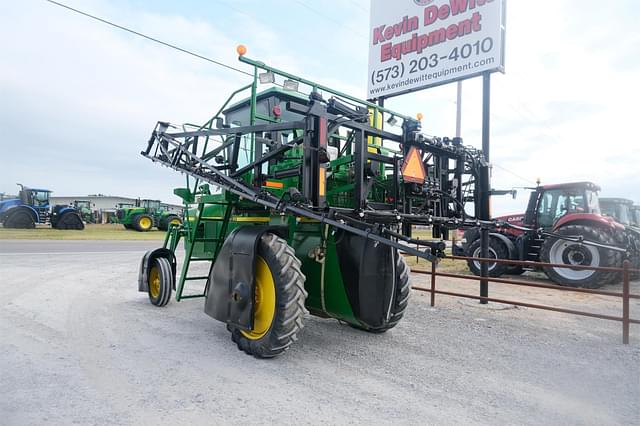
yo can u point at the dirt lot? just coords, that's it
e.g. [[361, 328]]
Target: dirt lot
[[81, 345]]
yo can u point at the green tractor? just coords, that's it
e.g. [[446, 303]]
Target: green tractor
[[84, 209], [147, 215], [313, 203]]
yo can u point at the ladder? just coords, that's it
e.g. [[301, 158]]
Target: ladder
[[192, 237]]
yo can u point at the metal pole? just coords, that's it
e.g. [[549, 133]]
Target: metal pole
[[486, 114], [484, 266], [486, 209], [625, 302], [459, 110], [433, 283]]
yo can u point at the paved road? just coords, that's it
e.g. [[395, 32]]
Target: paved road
[[13, 247], [80, 345]]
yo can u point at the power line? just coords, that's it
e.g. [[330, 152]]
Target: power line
[[359, 6], [172, 46], [330, 18], [513, 173]]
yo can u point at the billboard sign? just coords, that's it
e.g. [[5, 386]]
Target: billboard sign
[[415, 44]]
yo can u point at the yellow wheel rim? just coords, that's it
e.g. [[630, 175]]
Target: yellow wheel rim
[[145, 223], [265, 301], [154, 282], [175, 222]]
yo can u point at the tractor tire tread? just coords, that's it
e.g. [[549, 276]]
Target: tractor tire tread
[[290, 298], [498, 247], [136, 222], [402, 296], [608, 258], [166, 282], [19, 219], [70, 220]]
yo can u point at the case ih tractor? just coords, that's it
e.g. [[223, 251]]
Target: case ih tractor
[[313, 201], [568, 210], [32, 207], [147, 215]]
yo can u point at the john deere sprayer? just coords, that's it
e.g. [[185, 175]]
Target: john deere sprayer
[[298, 199]]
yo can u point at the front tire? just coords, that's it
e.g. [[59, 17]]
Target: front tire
[[142, 223], [279, 301], [160, 282], [555, 250], [497, 250]]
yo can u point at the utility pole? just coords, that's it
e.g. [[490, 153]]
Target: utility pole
[[459, 109]]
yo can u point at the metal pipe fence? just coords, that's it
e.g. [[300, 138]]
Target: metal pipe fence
[[625, 295]]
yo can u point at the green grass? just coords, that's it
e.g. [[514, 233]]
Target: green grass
[[445, 265], [91, 232]]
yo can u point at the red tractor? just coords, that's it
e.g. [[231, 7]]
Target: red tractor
[[570, 210]]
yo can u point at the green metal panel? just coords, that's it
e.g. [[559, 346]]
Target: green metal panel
[[323, 279]]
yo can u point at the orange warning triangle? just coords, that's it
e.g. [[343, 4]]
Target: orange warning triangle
[[413, 168]]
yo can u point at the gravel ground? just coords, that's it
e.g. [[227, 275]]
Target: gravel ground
[[81, 345]]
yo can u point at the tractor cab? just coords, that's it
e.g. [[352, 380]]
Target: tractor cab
[[35, 197], [618, 208], [82, 204], [635, 215], [151, 206], [85, 210], [550, 204], [38, 199]]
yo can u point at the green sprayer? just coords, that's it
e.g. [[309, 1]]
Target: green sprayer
[[299, 199]]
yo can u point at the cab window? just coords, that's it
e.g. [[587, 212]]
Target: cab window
[[556, 203], [41, 198]]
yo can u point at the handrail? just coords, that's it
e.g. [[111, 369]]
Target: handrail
[[317, 86]]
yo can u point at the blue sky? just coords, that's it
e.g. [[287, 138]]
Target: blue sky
[[80, 98]]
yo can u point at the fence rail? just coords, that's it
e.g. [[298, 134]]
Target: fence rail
[[625, 295]]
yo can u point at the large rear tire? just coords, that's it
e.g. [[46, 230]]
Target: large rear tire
[[497, 250], [142, 222], [401, 297], [555, 250], [168, 221], [70, 220], [20, 219], [279, 301]]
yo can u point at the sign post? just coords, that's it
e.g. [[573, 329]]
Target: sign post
[[418, 44]]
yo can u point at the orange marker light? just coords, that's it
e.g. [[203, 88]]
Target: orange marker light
[[272, 184], [419, 116], [241, 49]]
